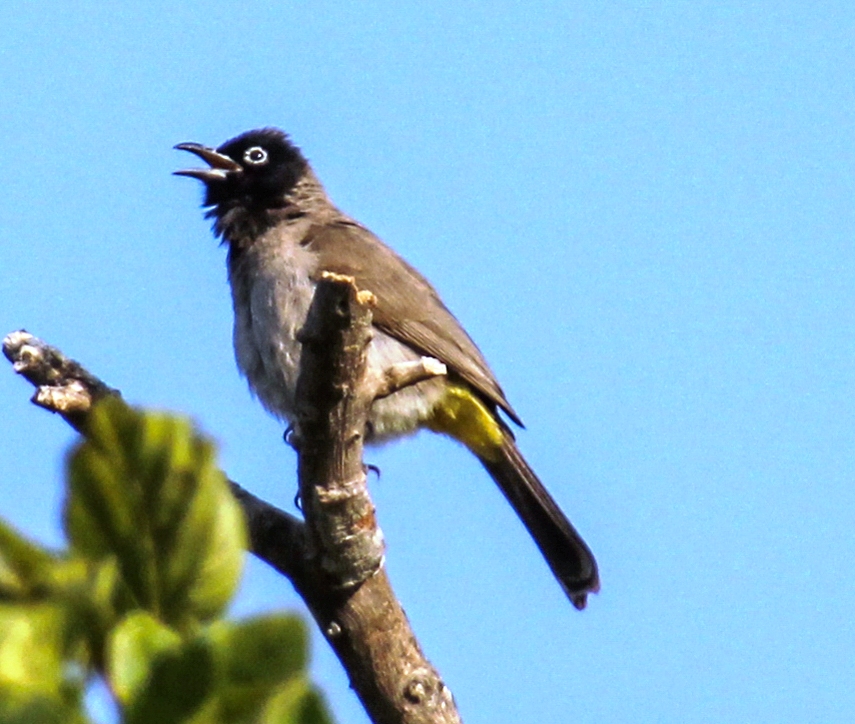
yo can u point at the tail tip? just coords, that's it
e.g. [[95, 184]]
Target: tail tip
[[579, 598]]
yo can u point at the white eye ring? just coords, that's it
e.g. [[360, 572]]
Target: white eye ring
[[257, 156]]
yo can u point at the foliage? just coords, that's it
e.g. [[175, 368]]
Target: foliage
[[156, 546]]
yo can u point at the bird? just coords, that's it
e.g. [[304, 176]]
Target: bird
[[282, 231]]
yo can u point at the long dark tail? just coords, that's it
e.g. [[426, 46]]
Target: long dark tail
[[568, 556]]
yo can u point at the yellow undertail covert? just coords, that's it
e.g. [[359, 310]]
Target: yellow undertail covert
[[461, 415]]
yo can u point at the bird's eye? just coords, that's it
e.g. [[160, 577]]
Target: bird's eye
[[255, 156]]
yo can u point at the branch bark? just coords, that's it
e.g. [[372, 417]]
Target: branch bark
[[65, 387], [334, 559]]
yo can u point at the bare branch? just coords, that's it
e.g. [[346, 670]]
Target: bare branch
[[62, 385], [329, 431], [364, 623], [65, 387], [402, 375], [335, 560]]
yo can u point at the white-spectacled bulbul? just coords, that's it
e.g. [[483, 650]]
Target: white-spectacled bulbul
[[282, 231]]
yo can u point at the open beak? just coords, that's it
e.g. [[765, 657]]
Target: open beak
[[221, 166]]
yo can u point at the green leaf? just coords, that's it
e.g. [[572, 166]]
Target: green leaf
[[296, 703], [85, 591], [178, 683], [32, 643], [133, 647], [19, 706], [254, 659], [40, 677], [266, 650], [313, 709], [155, 674], [145, 488], [212, 567], [24, 566]]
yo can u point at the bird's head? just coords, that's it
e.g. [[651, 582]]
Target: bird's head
[[255, 170]]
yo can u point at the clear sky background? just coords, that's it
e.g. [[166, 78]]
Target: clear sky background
[[642, 212]]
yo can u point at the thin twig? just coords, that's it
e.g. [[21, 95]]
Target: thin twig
[[335, 560]]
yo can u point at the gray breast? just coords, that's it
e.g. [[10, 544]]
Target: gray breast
[[271, 294], [272, 289]]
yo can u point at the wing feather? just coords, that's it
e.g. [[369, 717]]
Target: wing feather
[[408, 307]]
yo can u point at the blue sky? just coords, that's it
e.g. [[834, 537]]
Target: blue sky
[[642, 212]]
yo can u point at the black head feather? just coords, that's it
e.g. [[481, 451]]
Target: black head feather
[[270, 167], [252, 181]]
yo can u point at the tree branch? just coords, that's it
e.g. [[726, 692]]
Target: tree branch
[[65, 387], [335, 559], [62, 385], [363, 622]]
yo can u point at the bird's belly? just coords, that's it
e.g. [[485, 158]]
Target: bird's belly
[[269, 310], [268, 355], [405, 411]]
